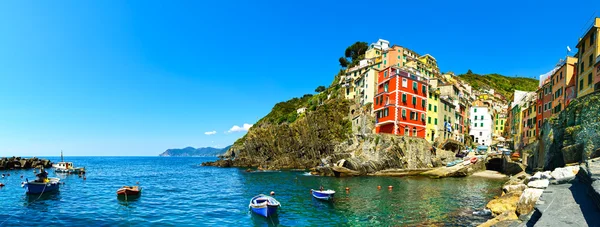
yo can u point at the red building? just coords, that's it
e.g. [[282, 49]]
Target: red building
[[544, 105], [400, 103]]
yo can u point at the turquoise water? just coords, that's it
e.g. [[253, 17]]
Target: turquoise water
[[179, 192]]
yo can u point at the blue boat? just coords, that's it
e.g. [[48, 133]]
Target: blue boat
[[42, 186], [264, 205], [323, 194]]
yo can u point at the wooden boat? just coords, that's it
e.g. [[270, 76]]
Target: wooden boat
[[264, 205], [42, 185], [129, 192], [67, 167], [323, 194]]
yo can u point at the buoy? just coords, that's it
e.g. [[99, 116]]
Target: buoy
[[390, 187], [379, 187], [272, 193], [347, 189], [84, 178]]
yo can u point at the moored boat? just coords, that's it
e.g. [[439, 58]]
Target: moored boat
[[129, 192], [264, 205], [323, 194], [67, 167], [42, 184]]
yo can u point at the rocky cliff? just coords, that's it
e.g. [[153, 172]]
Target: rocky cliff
[[571, 136]]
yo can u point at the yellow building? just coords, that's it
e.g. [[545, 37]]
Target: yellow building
[[500, 119], [427, 65], [432, 125], [589, 49]]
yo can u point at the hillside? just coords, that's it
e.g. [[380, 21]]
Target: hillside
[[194, 152], [504, 85]]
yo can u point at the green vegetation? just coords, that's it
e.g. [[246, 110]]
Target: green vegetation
[[320, 89], [504, 85], [354, 54]]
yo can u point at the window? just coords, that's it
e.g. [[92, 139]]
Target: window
[[592, 38], [445, 107], [480, 133], [414, 100], [385, 87], [423, 103], [435, 109], [404, 82], [428, 120], [475, 110], [581, 66], [415, 85], [422, 117], [496, 128], [384, 62], [406, 131], [496, 122], [481, 125], [590, 79], [561, 75], [384, 55], [502, 122], [385, 74], [414, 131], [404, 98], [403, 113], [475, 117], [429, 107], [435, 97], [581, 85], [435, 120], [424, 88], [412, 114], [591, 59]]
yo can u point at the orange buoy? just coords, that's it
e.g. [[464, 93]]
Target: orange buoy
[[379, 187], [390, 187], [272, 193]]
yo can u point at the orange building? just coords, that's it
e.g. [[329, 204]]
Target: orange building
[[400, 103]]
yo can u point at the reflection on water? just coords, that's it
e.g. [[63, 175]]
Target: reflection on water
[[262, 221]]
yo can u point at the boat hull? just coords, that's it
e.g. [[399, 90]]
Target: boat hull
[[39, 188], [322, 196], [265, 211]]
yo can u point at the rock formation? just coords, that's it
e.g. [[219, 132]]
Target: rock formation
[[23, 163]]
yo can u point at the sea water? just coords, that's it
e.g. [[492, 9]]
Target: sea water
[[177, 191]]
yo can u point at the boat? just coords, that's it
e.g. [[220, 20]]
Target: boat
[[67, 167], [453, 163], [42, 184], [473, 160], [323, 194], [264, 205], [129, 192]]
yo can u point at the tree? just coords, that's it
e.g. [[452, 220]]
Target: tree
[[355, 50], [469, 72], [320, 89], [343, 62]]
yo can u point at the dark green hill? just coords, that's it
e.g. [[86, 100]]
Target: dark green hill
[[195, 152]]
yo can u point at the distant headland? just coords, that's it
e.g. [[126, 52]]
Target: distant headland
[[194, 152]]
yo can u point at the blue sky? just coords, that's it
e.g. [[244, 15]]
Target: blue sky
[[138, 77]]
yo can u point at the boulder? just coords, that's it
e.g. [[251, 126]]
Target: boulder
[[527, 200], [514, 188], [539, 184], [566, 174], [541, 176], [506, 216], [506, 203]]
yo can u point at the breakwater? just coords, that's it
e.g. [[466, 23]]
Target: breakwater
[[23, 163]]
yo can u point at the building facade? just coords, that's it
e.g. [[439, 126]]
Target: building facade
[[589, 50], [481, 126], [400, 103], [559, 82], [432, 125]]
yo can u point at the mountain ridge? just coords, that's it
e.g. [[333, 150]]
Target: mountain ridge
[[194, 152]]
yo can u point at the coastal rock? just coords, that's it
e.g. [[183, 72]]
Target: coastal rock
[[459, 170], [538, 184], [514, 188], [23, 163], [506, 216], [541, 176], [505, 203], [566, 174], [527, 200]]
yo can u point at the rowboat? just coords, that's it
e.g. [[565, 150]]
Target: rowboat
[[323, 195], [264, 205], [42, 186], [129, 192]]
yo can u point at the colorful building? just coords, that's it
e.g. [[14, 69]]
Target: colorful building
[[481, 125], [499, 121], [589, 50], [400, 103], [446, 115], [559, 82], [432, 125]]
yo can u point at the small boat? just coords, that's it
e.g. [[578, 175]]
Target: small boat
[[42, 186], [264, 205], [130, 192], [323, 194], [453, 163], [473, 160], [67, 167]]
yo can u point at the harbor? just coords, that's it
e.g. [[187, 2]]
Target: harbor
[[173, 185]]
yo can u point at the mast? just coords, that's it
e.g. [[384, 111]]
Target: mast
[[61, 156]]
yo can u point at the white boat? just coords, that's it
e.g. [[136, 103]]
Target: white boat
[[67, 167]]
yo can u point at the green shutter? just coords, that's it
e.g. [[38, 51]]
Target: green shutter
[[428, 120], [429, 106], [435, 109], [414, 100], [435, 121]]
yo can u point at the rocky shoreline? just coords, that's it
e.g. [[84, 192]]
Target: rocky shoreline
[[23, 163]]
